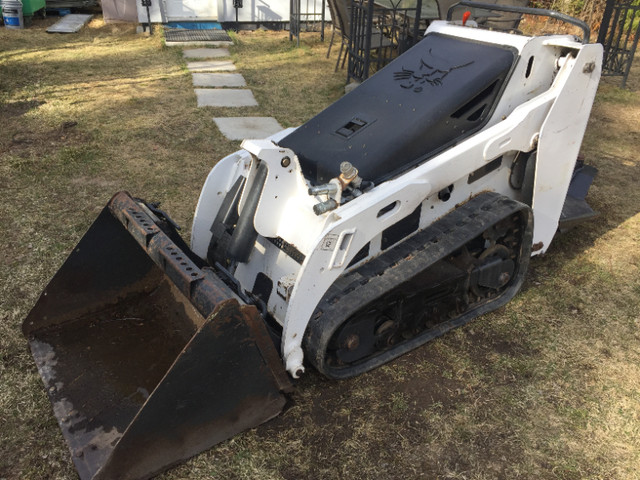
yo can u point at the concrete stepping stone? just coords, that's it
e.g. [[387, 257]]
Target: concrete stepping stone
[[211, 66], [225, 97], [205, 52], [218, 80], [240, 128]]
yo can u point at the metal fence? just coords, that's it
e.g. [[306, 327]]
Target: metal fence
[[307, 14], [619, 34], [380, 31]]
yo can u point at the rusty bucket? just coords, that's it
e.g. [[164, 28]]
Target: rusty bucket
[[147, 358]]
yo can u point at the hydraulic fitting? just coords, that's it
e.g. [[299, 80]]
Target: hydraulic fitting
[[349, 175], [324, 207], [326, 189]]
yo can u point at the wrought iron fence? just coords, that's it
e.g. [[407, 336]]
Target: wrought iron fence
[[619, 34], [380, 31], [307, 15]]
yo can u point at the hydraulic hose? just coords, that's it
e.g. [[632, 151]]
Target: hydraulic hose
[[244, 236]]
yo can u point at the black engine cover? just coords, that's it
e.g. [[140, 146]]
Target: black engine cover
[[439, 92]]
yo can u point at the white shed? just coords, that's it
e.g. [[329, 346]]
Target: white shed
[[252, 11]]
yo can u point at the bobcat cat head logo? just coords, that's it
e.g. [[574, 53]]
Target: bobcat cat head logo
[[430, 72]]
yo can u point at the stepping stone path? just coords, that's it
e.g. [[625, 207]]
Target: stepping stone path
[[218, 80], [205, 52], [211, 66], [240, 128], [225, 97], [221, 90]]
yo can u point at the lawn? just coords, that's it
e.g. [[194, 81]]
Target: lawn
[[547, 387]]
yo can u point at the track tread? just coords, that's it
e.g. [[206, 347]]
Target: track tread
[[363, 285]]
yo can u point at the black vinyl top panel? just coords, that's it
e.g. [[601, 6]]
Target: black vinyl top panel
[[437, 93]]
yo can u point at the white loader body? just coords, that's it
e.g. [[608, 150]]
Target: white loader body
[[543, 107]]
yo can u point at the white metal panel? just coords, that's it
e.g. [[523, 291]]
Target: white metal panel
[[154, 12], [264, 11], [218, 183], [191, 10], [119, 10], [560, 139]]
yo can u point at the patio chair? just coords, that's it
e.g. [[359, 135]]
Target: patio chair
[[341, 21]]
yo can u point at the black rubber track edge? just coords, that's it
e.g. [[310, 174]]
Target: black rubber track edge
[[363, 285]]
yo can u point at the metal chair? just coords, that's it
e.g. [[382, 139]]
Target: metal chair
[[341, 21]]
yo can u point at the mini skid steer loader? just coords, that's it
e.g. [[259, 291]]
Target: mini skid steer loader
[[405, 209]]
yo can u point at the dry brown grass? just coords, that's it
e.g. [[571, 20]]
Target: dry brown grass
[[547, 387]]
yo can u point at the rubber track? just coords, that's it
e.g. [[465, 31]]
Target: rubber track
[[365, 284]]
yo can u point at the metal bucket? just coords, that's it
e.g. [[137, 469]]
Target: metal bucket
[[146, 358], [12, 14]]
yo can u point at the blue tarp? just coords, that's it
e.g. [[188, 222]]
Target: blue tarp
[[195, 25]]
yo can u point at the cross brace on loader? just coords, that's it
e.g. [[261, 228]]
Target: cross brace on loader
[[403, 210]]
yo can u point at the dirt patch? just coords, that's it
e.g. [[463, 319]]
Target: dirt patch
[[483, 345], [432, 391], [25, 142]]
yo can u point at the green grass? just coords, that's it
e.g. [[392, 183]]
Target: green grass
[[547, 387]]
